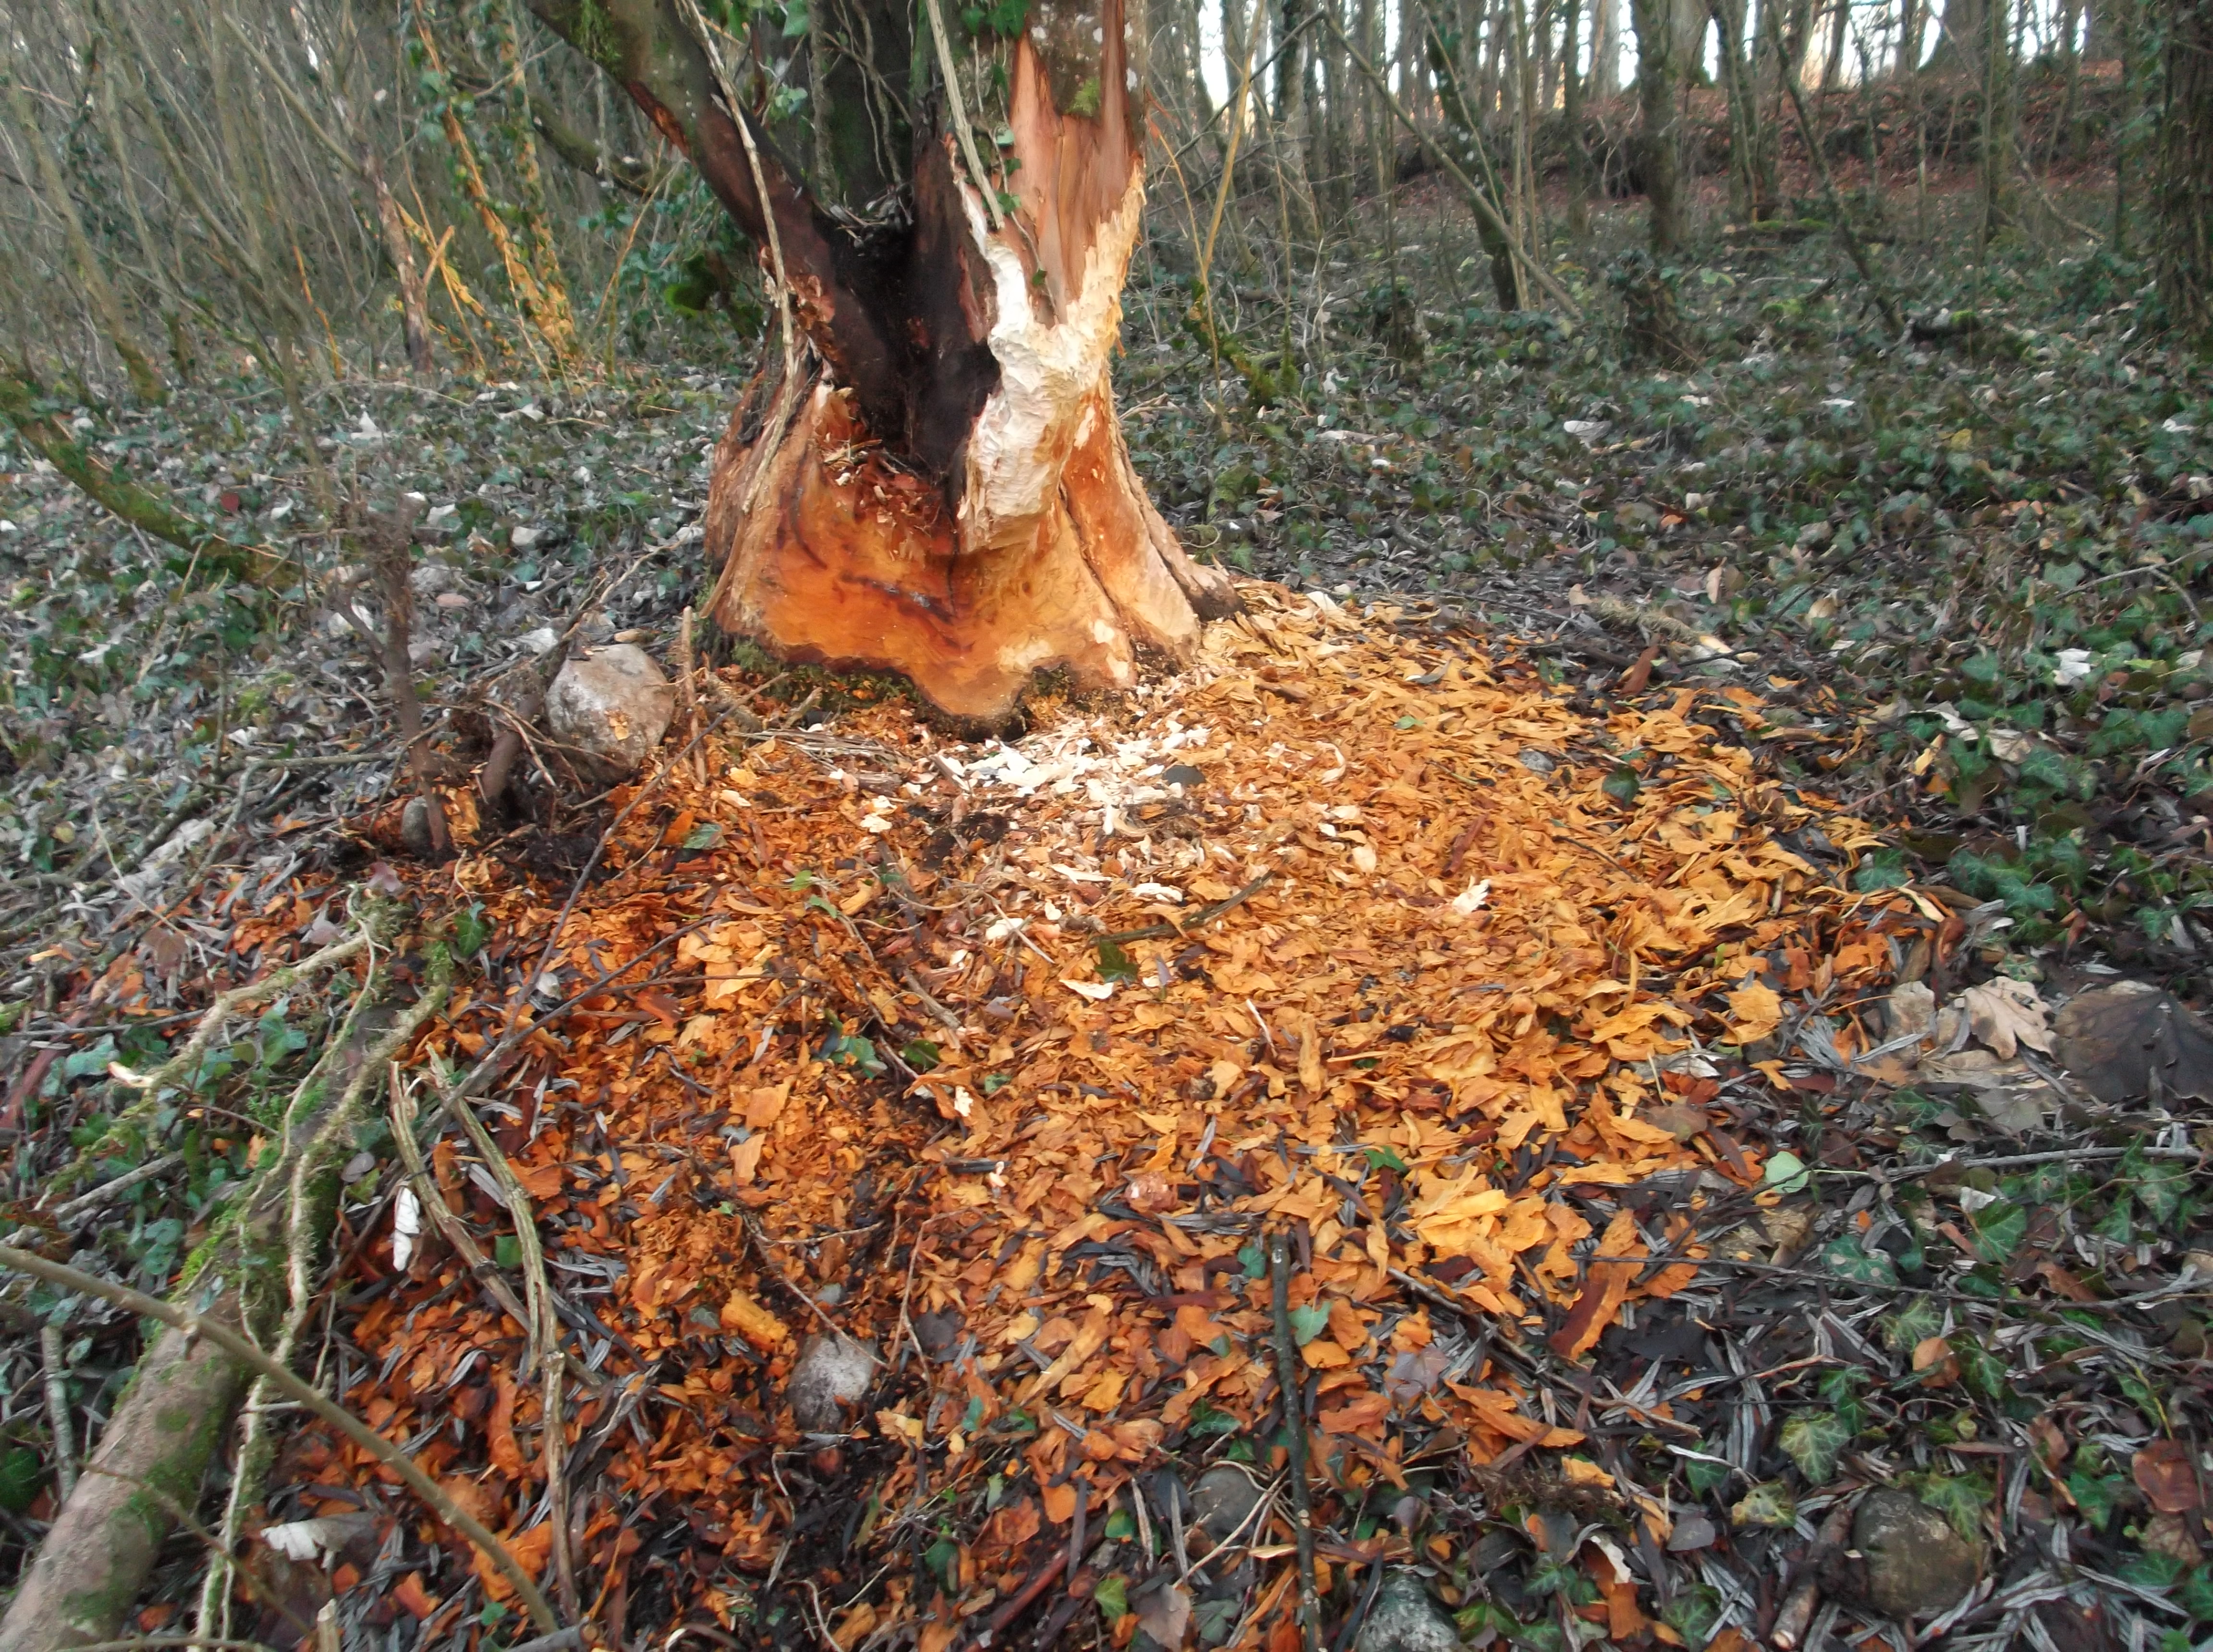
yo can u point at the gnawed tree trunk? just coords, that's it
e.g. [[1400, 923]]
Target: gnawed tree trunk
[[943, 492]]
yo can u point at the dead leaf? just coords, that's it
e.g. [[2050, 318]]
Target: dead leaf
[[1164, 1613], [1755, 1012], [499, 1431], [1938, 1366], [2121, 1041], [2165, 1474], [2005, 1013], [1603, 1292]]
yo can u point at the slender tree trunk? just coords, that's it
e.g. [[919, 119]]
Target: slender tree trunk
[[1832, 65], [1606, 48], [1571, 109], [1746, 201], [107, 308], [1661, 136], [2184, 250], [1996, 150], [1960, 43]]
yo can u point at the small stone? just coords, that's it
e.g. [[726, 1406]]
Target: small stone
[[828, 1379], [1405, 1619], [415, 828], [1223, 1500], [939, 1333], [613, 704], [1693, 1532], [430, 578], [420, 655], [1911, 1563], [543, 640], [522, 539]]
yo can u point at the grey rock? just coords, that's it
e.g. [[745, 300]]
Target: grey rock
[[1223, 1500], [828, 1379], [1405, 1619], [612, 704], [1913, 1562], [430, 578], [415, 828]]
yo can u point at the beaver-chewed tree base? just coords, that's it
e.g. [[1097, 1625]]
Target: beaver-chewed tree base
[[845, 560]]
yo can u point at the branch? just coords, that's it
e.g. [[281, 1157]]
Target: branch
[[214, 1330], [21, 406]]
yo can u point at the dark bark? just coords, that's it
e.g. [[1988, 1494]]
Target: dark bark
[[897, 323], [2185, 247], [1658, 103]]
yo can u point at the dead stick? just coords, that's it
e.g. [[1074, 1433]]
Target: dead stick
[[1294, 1429], [1204, 915], [545, 1327], [1015, 1608], [1790, 1624], [201, 1325]]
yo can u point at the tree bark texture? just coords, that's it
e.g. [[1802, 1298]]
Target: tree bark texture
[[2184, 250], [1658, 102], [944, 490], [96, 1555]]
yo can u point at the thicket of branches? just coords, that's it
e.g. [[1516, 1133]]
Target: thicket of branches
[[330, 189]]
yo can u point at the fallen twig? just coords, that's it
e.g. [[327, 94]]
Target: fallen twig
[[1200, 919], [1294, 1431], [545, 1327], [181, 1066]]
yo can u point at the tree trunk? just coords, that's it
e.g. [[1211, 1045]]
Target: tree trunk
[[2184, 249], [1657, 100], [1960, 41], [1571, 111], [1606, 48], [940, 489]]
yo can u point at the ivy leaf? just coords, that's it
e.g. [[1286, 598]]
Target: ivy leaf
[[1115, 964], [1961, 1498], [943, 1558], [1383, 1158], [2158, 1184], [1769, 1505], [1813, 1440], [920, 1054], [22, 1474], [705, 835], [1111, 1596], [1307, 1322], [1705, 1473], [1621, 784], [1252, 1258], [1844, 1257], [1999, 1229], [2096, 1495], [470, 931]]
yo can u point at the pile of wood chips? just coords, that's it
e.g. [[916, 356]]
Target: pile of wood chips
[[1005, 1061]]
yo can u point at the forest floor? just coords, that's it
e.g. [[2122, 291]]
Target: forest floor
[[1613, 969]]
